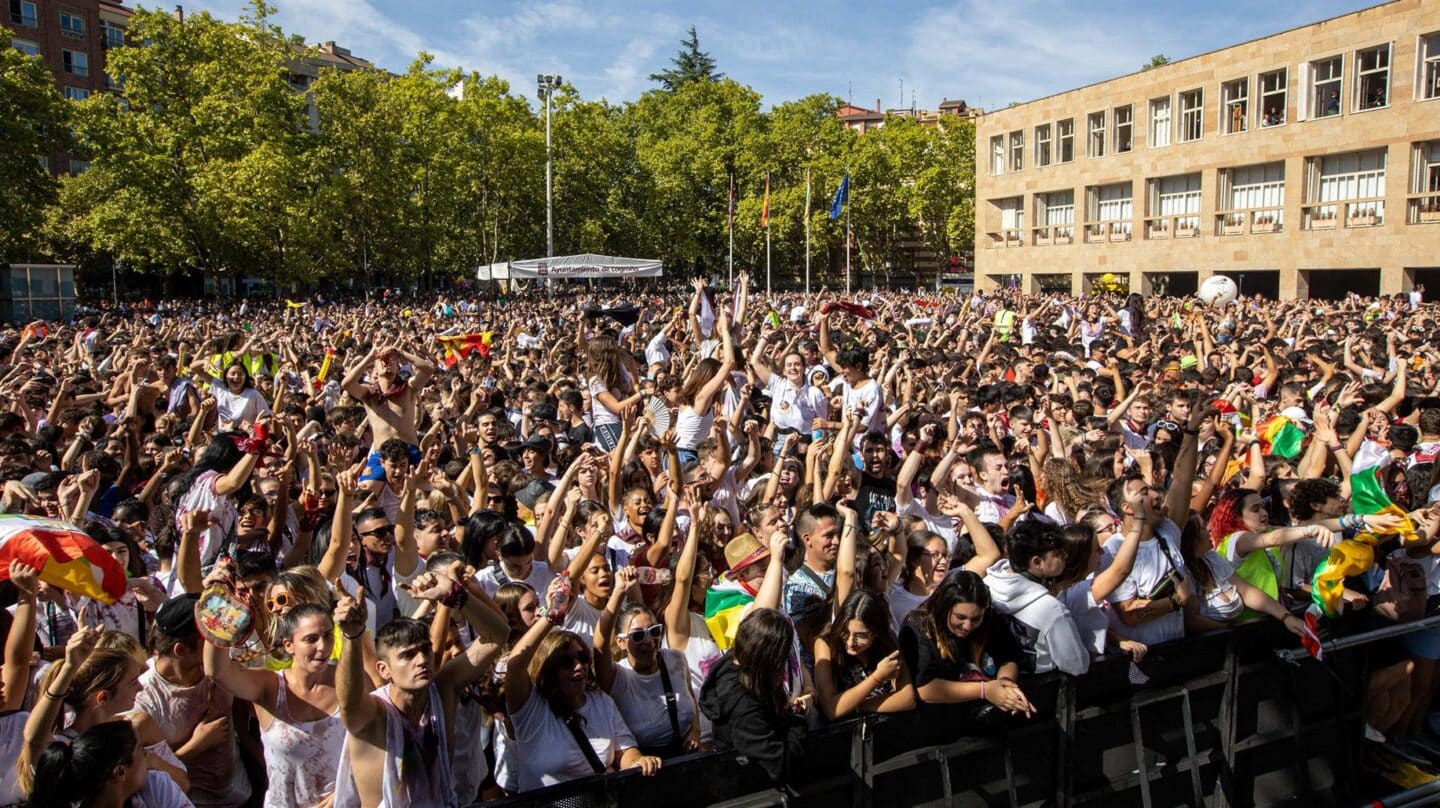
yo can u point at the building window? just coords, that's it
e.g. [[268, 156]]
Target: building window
[[1255, 198], [1425, 183], [72, 25], [1345, 188], [1174, 204], [1326, 76], [1065, 131], [1095, 143], [114, 35], [1108, 210], [78, 166], [1235, 106], [1055, 215], [1192, 115], [1017, 150], [1372, 77], [1012, 222], [997, 154], [76, 93], [1124, 124], [75, 62], [1160, 122], [25, 46], [1430, 65], [1042, 145], [1273, 97], [22, 12]]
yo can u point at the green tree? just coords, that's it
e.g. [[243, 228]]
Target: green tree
[[689, 65], [942, 199], [1158, 60], [34, 120], [199, 165]]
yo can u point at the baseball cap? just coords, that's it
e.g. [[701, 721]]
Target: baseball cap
[[176, 617]]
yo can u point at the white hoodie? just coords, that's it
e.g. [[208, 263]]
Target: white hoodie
[[1057, 640]]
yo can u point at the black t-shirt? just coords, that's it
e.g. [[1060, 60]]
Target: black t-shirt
[[578, 435], [876, 495], [927, 664]]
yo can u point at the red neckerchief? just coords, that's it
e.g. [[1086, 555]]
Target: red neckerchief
[[393, 393]]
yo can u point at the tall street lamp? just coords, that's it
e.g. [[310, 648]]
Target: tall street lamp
[[546, 85]]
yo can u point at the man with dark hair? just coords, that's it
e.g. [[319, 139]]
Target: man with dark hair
[[991, 498], [179, 702], [860, 394], [410, 718], [818, 529], [1020, 587], [877, 479]]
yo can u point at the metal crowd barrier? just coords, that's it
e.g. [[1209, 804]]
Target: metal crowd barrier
[[1233, 718]]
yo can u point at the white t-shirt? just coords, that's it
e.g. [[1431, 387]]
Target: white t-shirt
[[641, 699], [902, 602], [551, 753], [160, 792], [493, 577], [794, 407], [869, 400], [1089, 616], [234, 408], [12, 740], [582, 619], [1151, 565]]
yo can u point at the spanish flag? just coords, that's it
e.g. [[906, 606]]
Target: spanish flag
[[463, 345], [1280, 437], [66, 557], [724, 606]]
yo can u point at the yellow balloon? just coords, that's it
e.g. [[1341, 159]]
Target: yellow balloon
[[1108, 277]]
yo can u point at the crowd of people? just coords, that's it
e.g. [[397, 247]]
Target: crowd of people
[[490, 544]]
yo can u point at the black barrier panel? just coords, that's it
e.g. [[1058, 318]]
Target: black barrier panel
[[1220, 719]]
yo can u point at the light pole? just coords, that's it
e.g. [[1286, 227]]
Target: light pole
[[546, 85]]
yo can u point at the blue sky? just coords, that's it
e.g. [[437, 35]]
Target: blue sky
[[988, 52]]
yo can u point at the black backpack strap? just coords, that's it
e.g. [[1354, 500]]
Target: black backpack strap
[[671, 700], [815, 579], [572, 723]]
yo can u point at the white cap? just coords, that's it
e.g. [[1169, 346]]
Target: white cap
[[1297, 414]]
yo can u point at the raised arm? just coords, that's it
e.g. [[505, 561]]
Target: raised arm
[[677, 609], [257, 686], [20, 643], [845, 557], [773, 585], [1177, 500], [605, 629], [359, 711], [332, 564]]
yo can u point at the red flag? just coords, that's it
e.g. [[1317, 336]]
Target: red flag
[[464, 345], [765, 211]]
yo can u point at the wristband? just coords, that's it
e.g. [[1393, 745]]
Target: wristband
[[354, 636], [922, 447], [55, 697], [457, 596]]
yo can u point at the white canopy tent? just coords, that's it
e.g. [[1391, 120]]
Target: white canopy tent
[[572, 266]]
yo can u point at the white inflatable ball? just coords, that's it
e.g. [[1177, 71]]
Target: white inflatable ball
[[1218, 290]]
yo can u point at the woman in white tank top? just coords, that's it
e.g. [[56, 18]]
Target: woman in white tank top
[[298, 709], [697, 396]]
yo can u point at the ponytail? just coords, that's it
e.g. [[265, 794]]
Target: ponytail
[[75, 773]]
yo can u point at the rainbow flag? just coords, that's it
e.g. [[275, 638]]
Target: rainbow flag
[[460, 346], [724, 606], [66, 557], [1280, 437]]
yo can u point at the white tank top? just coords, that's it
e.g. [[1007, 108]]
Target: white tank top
[[300, 758], [691, 429]]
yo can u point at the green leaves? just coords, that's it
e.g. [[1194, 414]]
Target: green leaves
[[216, 162]]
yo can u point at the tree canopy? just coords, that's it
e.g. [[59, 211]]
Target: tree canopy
[[689, 65]]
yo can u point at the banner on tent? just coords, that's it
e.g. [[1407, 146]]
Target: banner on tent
[[574, 266]]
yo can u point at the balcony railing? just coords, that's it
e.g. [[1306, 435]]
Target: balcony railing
[[1010, 237], [1353, 213], [1251, 221], [1054, 234], [1165, 227], [66, 32], [1099, 232], [1423, 208]]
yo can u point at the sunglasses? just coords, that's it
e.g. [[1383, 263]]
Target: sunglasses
[[642, 634], [1167, 426], [388, 530], [280, 601], [328, 492], [569, 660]]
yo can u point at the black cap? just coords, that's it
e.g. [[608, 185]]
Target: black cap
[[176, 617], [539, 443]]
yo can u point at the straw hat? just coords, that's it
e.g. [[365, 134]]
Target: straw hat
[[744, 550]]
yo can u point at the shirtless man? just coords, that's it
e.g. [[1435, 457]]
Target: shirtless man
[[412, 716], [390, 403]]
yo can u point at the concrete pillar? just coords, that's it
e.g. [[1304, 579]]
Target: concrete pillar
[[1292, 283], [1392, 277]]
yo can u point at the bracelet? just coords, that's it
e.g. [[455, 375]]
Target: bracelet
[[982, 690], [456, 598], [1335, 447], [355, 636], [922, 447], [55, 697]]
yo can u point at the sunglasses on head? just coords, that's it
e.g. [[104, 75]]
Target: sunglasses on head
[[1167, 426], [641, 634]]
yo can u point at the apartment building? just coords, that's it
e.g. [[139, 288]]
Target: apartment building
[[1303, 164], [72, 37]]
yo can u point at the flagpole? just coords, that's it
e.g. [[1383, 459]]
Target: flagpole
[[767, 234], [730, 227], [807, 230], [847, 245]]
